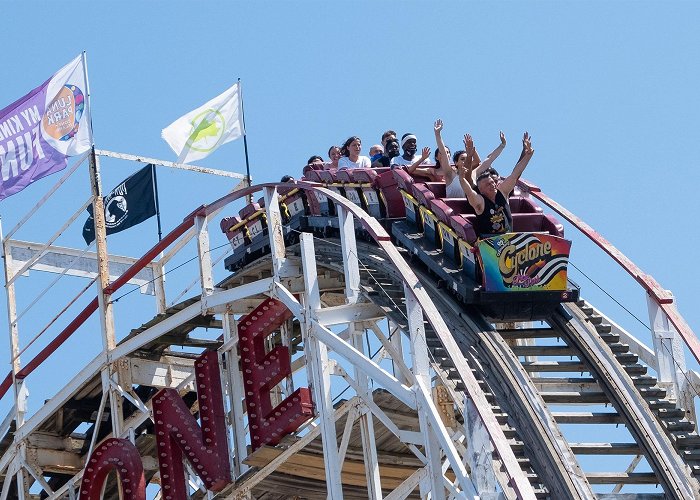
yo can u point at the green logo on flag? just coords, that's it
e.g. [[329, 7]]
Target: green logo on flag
[[207, 129]]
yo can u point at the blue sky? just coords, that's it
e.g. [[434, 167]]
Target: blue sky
[[608, 91]]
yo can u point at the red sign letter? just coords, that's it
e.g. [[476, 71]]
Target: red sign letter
[[262, 371], [177, 433], [119, 455]]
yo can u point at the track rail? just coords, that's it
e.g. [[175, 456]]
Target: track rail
[[554, 466], [492, 367], [627, 400], [662, 297], [514, 391]]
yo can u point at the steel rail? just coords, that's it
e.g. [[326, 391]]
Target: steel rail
[[661, 296], [519, 481], [472, 331], [622, 393], [659, 450]]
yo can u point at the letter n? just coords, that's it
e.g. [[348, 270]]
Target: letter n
[[179, 436], [118, 455], [263, 371]]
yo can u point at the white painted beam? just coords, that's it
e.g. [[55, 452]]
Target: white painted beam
[[167, 372], [337, 315], [433, 483], [317, 358], [205, 269], [351, 266], [58, 259], [368, 366]]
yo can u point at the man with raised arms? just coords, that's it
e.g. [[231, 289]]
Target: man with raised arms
[[490, 203]]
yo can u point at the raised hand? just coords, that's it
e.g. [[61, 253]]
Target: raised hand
[[468, 143], [438, 126], [527, 145], [503, 139], [425, 154]]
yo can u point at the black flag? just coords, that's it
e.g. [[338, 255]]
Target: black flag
[[130, 203]]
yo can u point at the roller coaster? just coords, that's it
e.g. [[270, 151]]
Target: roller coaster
[[364, 343]]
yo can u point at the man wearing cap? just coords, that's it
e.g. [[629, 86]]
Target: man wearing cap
[[490, 203], [409, 144]]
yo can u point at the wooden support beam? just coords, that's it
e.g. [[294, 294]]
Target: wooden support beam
[[311, 466]]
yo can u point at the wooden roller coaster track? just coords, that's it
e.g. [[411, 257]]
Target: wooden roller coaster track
[[409, 392]]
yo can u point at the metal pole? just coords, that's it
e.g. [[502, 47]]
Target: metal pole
[[155, 194], [104, 302], [249, 198], [13, 329], [88, 109]]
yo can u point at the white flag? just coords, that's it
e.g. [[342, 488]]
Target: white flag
[[198, 133]]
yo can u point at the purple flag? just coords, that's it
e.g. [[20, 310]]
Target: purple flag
[[40, 131]]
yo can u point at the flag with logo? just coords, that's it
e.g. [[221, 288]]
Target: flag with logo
[[200, 132], [130, 203], [40, 131]]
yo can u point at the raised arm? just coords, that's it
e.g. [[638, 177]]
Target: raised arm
[[474, 198], [486, 164], [441, 145], [507, 185], [471, 161], [414, 168]]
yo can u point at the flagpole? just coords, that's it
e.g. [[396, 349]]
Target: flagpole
[[104, 300], [245, 142], [87, 101], [155, 193]]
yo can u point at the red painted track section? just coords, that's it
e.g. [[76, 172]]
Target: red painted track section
[[92, 306]]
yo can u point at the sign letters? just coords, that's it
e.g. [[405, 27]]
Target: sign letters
[[205, 447]]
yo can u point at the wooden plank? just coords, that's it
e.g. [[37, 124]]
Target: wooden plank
[[529, 333], [605, 448], [587, 417], [555, 366], [544, 350], [622, 477], [592, 397], [312, 466]]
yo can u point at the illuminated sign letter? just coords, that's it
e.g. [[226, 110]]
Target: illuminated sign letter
[[178, 434], [262, 371], [121, 456]]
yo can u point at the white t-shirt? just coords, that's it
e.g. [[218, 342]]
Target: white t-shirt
[[400, 160], [362, 162]]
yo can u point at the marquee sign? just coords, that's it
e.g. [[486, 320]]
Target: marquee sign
[[205, 447]]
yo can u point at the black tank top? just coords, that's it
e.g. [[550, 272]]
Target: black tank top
[[496, 217]]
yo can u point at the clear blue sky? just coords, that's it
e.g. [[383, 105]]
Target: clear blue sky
[[608, 90]]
